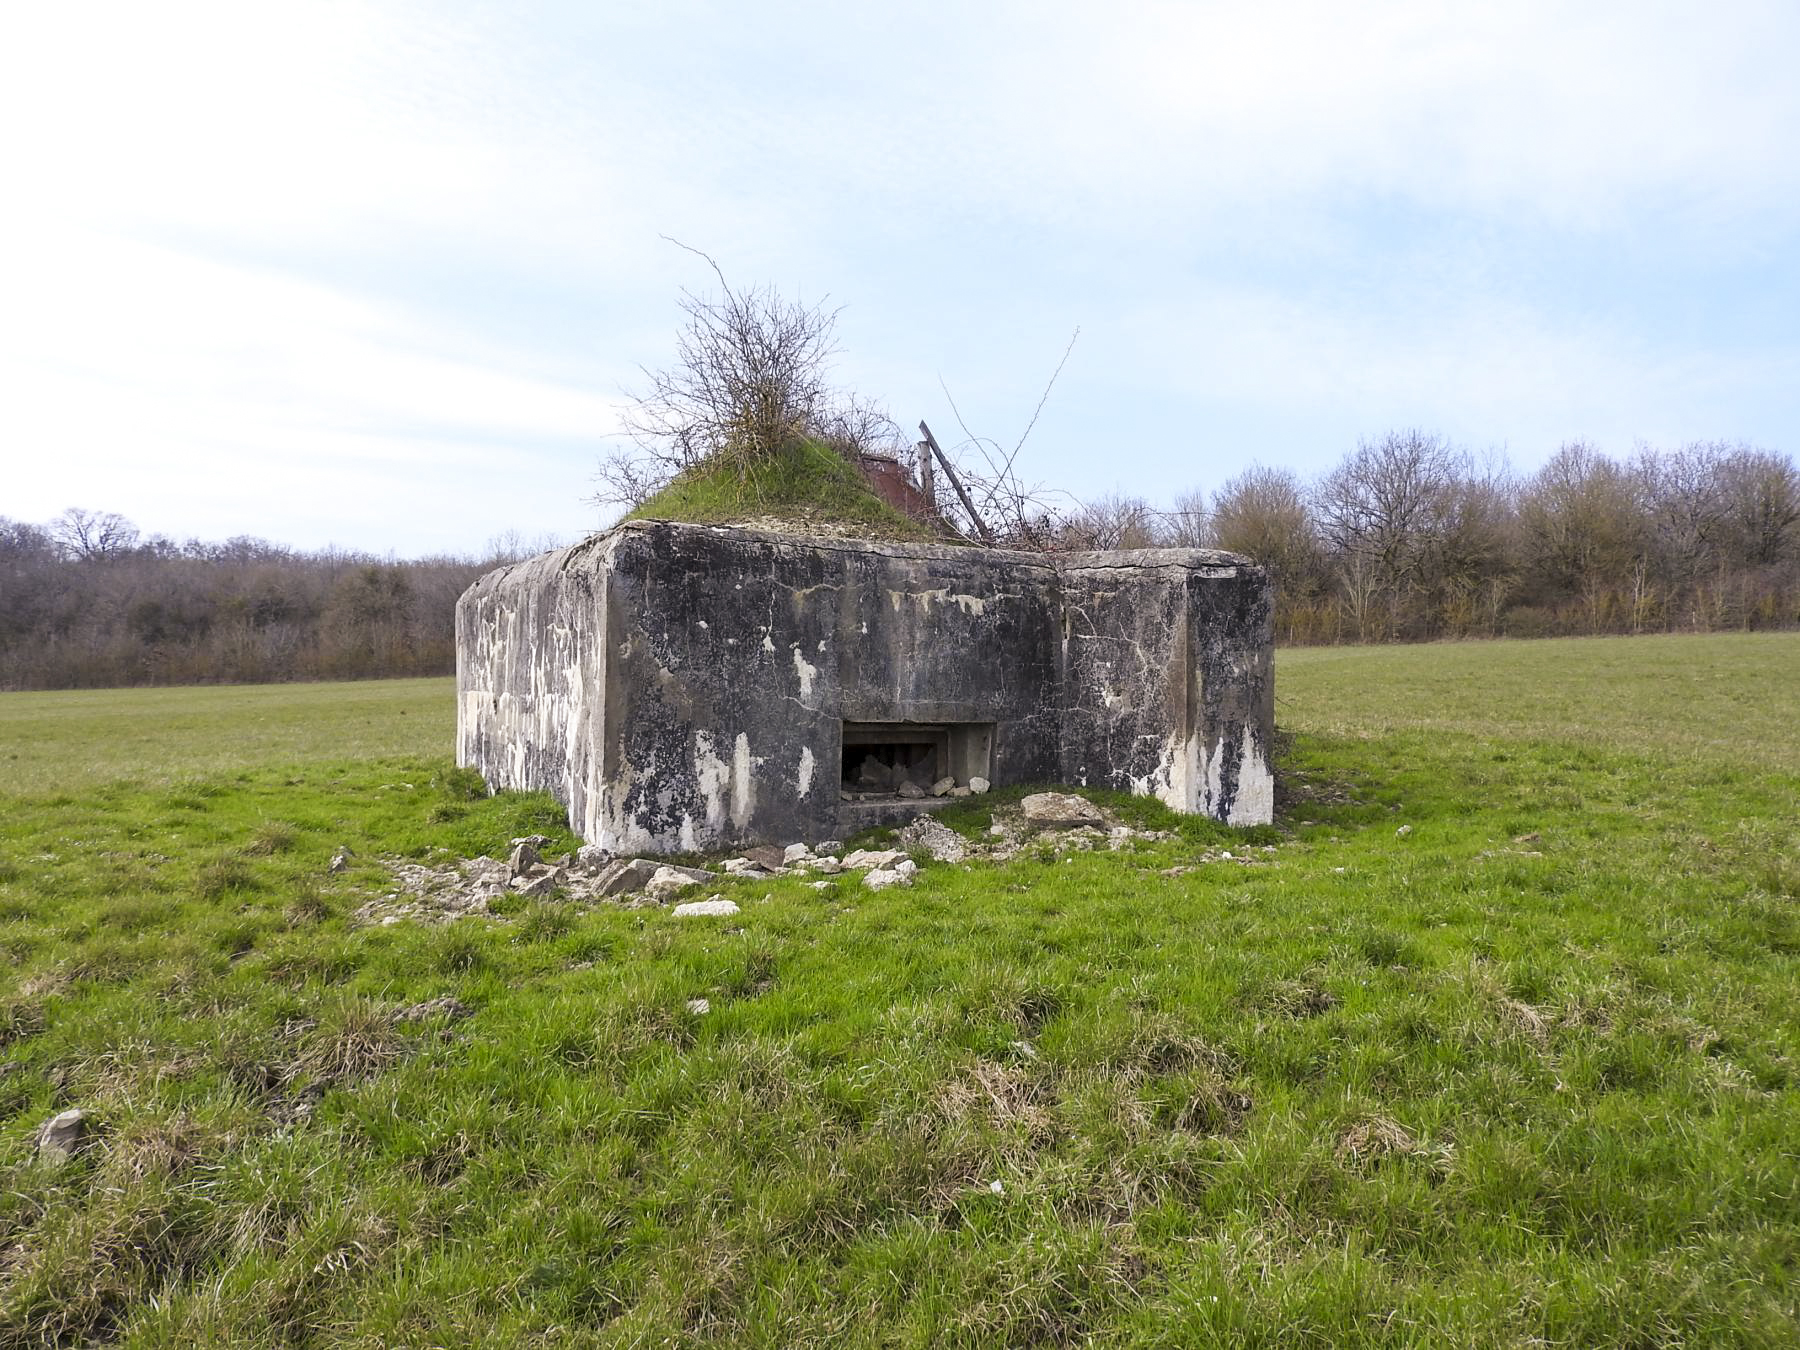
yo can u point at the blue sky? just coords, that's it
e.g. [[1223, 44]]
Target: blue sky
[[381, 274]]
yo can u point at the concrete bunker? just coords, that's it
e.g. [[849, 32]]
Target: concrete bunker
[[684, 687]]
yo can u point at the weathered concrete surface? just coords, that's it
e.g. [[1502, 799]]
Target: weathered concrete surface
[[685, 687]]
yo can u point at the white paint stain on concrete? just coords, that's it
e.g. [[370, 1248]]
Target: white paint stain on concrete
[[741, 783], [1172, 781], [942, 595], [1187, 778], [803, 780], [805, 671], [713, 777], [1255, 800]]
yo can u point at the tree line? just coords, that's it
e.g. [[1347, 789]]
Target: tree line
[[1407, 538], [86, 601], [1411, 538]]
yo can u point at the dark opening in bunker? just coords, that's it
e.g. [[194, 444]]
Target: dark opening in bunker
[[881, 757]]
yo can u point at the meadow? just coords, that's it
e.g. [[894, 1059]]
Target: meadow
[[1493, 1039]]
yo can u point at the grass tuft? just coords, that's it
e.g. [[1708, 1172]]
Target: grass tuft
[[272, 836], [221, 877]]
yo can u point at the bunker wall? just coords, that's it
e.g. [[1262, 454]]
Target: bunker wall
[[688, 688]]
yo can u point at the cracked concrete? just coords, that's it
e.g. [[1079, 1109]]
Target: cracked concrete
[[685, 687]]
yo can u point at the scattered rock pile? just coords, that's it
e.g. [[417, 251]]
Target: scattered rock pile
[[1058, 822], [1048, 823], [455, 890], [448, 891]]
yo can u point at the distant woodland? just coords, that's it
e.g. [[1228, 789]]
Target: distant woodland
[[86, 602], [1407, 539], [1410, 539]]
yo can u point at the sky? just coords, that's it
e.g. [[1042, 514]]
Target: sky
[[382, 275]]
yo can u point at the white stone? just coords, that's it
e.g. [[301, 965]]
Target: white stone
[[704, 908], [979, 785], [699, 1006], [668, 881], [59, 1136], [881, 878], [874, 858], [793, 853], [943, 787], [906, 869], [1059, 811]]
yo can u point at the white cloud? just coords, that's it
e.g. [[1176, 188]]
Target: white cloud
[[166, 380], [252, 237]]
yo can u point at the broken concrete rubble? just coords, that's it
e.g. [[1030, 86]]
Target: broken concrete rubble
[[626, 874], [935, 838], [867, 858], [1058, 811], [689, 688], [668, 881], [458, 889]]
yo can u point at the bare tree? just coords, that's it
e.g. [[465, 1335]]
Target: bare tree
[[93, 534], [1681, 495], [1761, 495], [1582, 520], [1383, 510], [1188, 521], [1113, 521], [1471, 554], [1263, 513], [747, 383]]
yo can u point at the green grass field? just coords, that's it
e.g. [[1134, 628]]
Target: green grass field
[[1525, 1074]]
